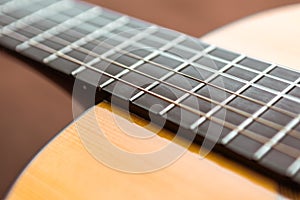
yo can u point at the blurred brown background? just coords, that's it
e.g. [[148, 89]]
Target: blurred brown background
[[35, 103]]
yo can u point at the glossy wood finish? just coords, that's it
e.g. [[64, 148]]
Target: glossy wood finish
[[65, 170]]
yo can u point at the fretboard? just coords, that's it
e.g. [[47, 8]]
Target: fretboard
[[249, 108]]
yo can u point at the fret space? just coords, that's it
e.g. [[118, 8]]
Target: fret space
[[289, 105], [146, 43], [199, 104], [213, 93], [244, 105], [5, 20], [196, 72], [167, 91], [92, 78], [83, 57], [137, 51], [167, 62], [212, 131], [230, 116], [123, 59], [291, 141], [63, 65], [254, 64], [194, 44], [182, 82], [99, 21], [43, 24], [165, 34], [95, 48], [241, 73], [273, 84], [181, 116], [295, 92], [224, 54], [9, 42], [285, 74], [125, 31], [277, 161], [183, 54], [258, 94], [85, 28], [211, 63], [107, 67], [276, 117], [124, 91], [108, 41], [152, 70], [37, 54], [54, 45], [227, 83], [262, 129], [244, 145]]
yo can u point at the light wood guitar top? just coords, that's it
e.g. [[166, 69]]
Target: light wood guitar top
[[66, 170]]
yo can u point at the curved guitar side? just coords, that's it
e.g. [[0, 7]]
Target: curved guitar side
[[66, 170]]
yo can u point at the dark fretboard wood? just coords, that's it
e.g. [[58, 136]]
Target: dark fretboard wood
[[250, 108]]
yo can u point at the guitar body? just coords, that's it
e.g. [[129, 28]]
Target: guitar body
[[66, 169]]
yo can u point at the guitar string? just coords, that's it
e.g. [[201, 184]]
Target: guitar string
[[64, 42], [290, 151], [286, 112], [59, 38], [183, 74], [284, 146], [222, 60]]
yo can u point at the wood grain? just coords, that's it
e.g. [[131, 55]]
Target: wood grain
[[66, 170]]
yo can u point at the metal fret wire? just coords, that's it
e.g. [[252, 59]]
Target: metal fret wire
[[150, 56], [202, 81], [261, 152], [231, 76], [168, 75], [146, 75], [293, 168], [295, 99], [45, 48], [250, 99], [60, 27], [245, 87], [227, 100], [34, 15], [138, 36], [230, 136], [97, 33], [14, 4], [236, 64], [266, 122]]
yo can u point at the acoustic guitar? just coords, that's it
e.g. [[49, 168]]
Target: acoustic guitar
[[170, 116]]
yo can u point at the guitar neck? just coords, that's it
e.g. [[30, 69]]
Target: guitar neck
[[249, 108]]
